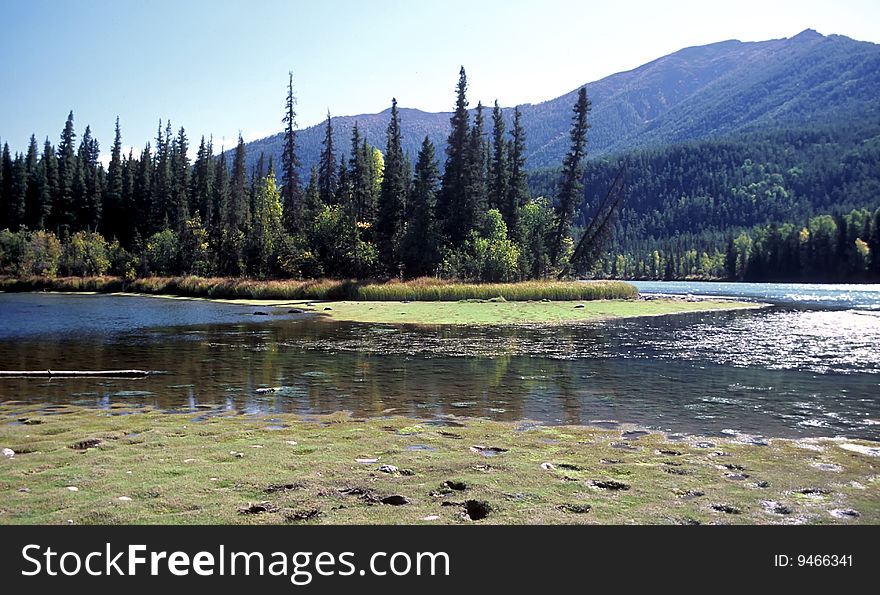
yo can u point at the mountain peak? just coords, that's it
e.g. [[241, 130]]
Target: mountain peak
[[808, 34]]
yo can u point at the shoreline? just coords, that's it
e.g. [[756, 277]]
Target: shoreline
[[467, 312], [141, 466]]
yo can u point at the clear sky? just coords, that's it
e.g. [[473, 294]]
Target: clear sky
[[219, 67]]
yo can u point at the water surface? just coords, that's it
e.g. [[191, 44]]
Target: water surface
[[794, 369]]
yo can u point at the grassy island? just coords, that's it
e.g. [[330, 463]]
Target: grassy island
[[421, 301]]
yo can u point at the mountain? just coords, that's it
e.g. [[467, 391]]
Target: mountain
[[695, 93]]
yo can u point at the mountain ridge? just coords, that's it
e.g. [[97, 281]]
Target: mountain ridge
[[696, 92]]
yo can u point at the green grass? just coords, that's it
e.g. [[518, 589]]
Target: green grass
[[512, 313], [425, 289], [177, 470]]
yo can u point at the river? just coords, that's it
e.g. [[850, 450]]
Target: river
[[807, 365]]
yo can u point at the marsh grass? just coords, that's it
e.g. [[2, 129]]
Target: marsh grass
[[423, 289], [174, 469]]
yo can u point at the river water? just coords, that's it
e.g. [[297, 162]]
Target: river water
[[807, 365]]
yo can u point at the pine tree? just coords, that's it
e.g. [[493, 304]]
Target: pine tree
[[328, 179], [62, 219], [518, 182], [421, 243], [392, 198], [361, 176], [498, 179], [113, 207], [570, 192], [291, 190], [454, 189], [33, 207]]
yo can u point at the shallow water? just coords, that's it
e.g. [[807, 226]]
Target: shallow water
[[795, 369]]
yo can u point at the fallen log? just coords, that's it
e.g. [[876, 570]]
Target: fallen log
[[75, 373]]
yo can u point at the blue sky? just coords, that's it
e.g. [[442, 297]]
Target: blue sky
[[219, 67]]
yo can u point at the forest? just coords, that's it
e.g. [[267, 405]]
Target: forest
[[362, 213], [792, 203]]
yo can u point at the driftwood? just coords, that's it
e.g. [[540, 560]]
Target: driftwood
[[74, 373]]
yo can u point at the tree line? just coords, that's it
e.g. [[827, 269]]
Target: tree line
[[795, 204], [363, 212]]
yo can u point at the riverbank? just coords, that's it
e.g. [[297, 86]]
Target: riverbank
[[130, 465], [423, 289], [377, 305]]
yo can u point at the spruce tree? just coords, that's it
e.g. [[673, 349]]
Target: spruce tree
[[17, 197], [63, 206], [474, 203], [161, 215], [203, 183], [49, 165], [291, 190], [518, 181], [179, 208], [88, 185], [239, 201], [328, 179], [392, 197], [421, 243], [498, 179], [6, 182], [571, 188], [312, 197], [113, 207], [143, 193], [454, 189]]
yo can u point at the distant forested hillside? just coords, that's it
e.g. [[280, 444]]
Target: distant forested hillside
[[695, 93], [790, 204]]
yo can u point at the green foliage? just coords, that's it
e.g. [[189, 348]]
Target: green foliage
[[162, 253], [488, 256], [85, 254]]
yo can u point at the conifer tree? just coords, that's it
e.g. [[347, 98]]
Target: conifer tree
[[291, 190], [518, 181], [498, 179], [328, 179], [161, 215], [239, 201], [179, 208], [474, 201], [88, 183], [312, 197], [392, 198], [49, 165], [17, 197], [203, 183], [63, 205], [571, 188], [421, 243], [6, 182], [143, 193], [454, 189], [113, 204]]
